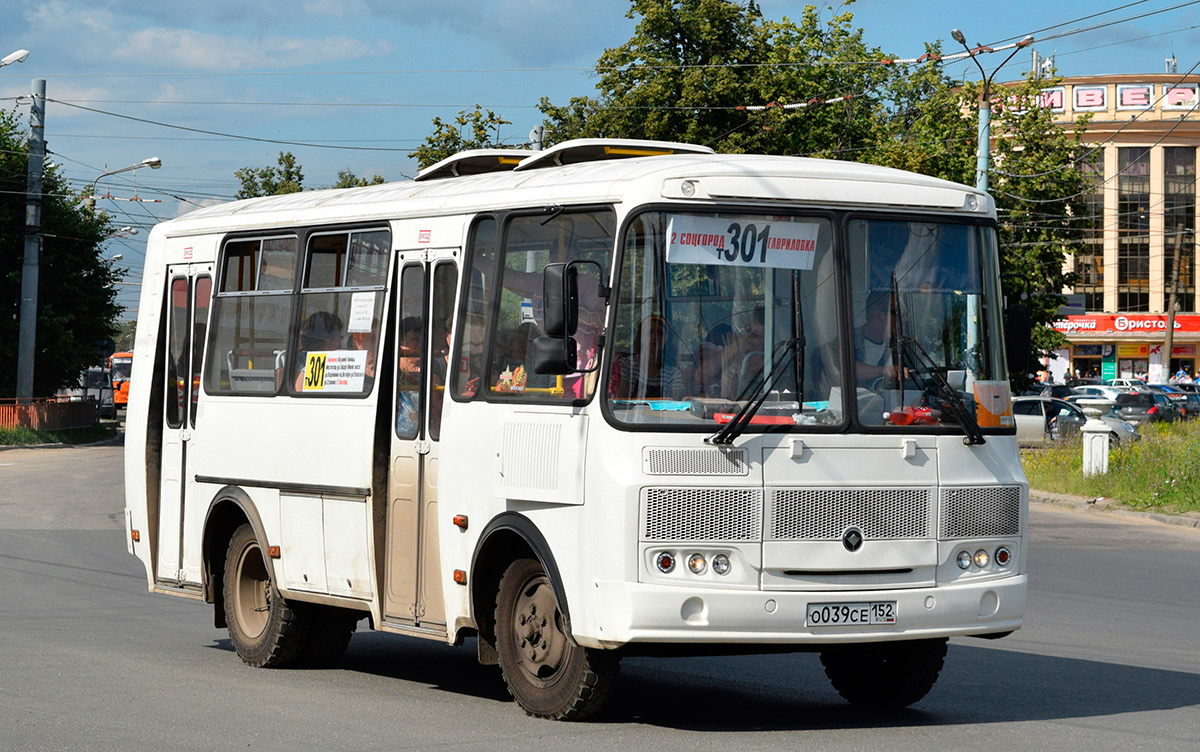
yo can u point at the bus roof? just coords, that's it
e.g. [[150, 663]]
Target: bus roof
[[734, 177]]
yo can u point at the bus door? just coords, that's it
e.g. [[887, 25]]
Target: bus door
[[189, 290], [428, 281]]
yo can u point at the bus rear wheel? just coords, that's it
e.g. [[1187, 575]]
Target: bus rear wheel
[[885, 674], [547, 673], [266, 632]]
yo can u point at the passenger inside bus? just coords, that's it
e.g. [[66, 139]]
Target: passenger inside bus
[[644, 373], [321, 332], [408, 378], [742, 357]]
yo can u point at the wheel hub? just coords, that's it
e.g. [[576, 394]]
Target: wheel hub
[[540, 639]]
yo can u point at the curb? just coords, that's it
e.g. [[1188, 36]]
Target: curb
[[1106, 506], [115, 440]]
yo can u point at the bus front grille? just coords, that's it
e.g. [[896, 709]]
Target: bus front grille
[[688, 461], [980, 512], [806, 514], [702, 514]]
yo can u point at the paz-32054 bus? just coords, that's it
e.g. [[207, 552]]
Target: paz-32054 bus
[[614, 397]]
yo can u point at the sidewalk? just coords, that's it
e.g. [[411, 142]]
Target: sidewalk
[[1087, 504]]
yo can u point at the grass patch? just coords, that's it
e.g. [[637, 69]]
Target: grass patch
[[1160, 473], [26, 436]]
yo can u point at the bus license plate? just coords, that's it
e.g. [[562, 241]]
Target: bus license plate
[[850, 614]]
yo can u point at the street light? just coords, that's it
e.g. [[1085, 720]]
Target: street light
[[152, 162], [985, 104], [14, 57]]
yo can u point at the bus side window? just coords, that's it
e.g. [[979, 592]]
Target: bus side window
[[341, 306], [251, 314], [480, 274], [445, 280], [411, 334]]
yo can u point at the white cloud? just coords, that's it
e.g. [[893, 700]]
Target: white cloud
[[94, 35], [199, 51]]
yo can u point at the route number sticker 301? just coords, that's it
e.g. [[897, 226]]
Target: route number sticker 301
[[741, 241]]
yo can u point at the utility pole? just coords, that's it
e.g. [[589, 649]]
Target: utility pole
[[985, 103], [33, 242], [1169, 342]]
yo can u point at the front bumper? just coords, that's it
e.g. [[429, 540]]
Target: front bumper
[[646, 613]]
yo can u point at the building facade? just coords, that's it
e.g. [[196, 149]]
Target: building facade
[[1142, 253]]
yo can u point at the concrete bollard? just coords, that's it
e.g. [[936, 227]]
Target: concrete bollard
[[1095, 437]]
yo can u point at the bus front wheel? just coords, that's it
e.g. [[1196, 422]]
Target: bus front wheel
[[547, 673], [884, 674], [265, 630]]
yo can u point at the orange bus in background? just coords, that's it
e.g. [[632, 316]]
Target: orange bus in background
[[119, 365]]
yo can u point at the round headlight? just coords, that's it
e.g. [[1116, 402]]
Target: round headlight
[[1003, 556], [720, 564], [964, 560], [665, 561], [687, 188], [697, 563], [982, 558]]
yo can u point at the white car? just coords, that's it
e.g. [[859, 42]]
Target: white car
[[1125, 384], [1043, 420]]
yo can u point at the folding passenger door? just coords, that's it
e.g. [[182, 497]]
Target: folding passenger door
[[424, 310], [189, 291]]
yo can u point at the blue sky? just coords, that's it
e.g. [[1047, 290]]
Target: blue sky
[[372, 74]]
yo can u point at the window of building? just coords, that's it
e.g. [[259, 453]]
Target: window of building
[[1133, 229], [1179, 225], [1090, 263]]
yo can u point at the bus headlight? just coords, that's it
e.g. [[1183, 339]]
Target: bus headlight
[[697, 563], [720, 564], [665, 562], [982, 558], [964, 560], [1003, 556]]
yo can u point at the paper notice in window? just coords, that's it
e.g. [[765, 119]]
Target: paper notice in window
[[335, 371], [746, 242], [362, 312]]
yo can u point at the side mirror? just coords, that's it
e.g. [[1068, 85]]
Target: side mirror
[[560, 299], [1018, 335], [556, 356]]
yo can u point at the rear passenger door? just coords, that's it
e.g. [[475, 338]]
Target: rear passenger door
[[428, 281], [189, 291]]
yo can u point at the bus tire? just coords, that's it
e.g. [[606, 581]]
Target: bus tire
[[547, 673], [265, 630], [330, 629], [884, 674]]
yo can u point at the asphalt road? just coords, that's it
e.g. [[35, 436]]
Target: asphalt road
[[89, 660]]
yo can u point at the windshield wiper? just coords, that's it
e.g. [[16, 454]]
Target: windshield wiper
[[762, 388], [936, 386]]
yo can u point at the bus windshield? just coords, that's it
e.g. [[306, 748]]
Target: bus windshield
[[715, 311], [121, 368]]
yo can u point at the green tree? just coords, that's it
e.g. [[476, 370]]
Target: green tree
[[77, 306], [285, 177], [123, 340], [471, 129], [1039, 188], [347, 179]]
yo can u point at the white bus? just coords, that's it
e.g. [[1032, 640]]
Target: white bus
[[611, 398]]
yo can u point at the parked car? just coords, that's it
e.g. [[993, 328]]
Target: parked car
[[1058, 391], [1094, 391], [1145, 407], [1190, 387], [1083, 381], [93, 384], [1178, 397], [1042, 420], [1125, 383]]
